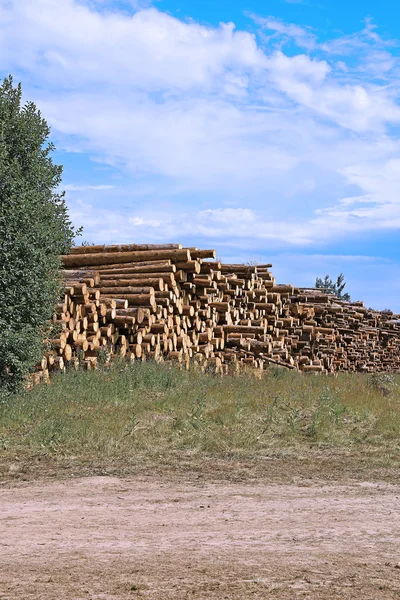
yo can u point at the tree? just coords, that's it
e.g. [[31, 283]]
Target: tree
[[334, 287], [34, 230]]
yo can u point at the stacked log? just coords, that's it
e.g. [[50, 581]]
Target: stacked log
[[165, 302], [346, 336]]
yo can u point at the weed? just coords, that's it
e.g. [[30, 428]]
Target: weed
[[385, 383], [127, 412]]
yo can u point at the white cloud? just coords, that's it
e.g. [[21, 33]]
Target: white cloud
[[348, 44], [352, 106], [228, 215], [377, 208], [304, 38], [243, 140], [71, 187], [141, 222], [230, 223], [69, 44]]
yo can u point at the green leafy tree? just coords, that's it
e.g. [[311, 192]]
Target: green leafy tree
[[34, 230], [334, 287]]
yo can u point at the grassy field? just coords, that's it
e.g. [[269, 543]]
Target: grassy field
[[146, 415]]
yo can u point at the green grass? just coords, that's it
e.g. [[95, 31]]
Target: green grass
[[149, 412]]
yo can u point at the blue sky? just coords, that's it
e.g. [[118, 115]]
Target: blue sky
[[268, 130]]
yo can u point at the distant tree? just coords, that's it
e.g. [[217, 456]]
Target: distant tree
[[34, 230], [334, 287]]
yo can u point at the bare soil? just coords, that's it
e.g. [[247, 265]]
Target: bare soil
[[112, 538]]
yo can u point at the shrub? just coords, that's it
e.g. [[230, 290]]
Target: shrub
[[34, 230]]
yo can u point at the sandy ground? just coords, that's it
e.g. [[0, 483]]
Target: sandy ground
[[110, 538]]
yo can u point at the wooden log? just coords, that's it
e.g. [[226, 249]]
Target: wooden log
[[220, 306], [114, 302], [124, 321], [73, 336], [159, 328], [58, 363], [78, 299], [61, 308], [93, 317], [130, 265], [111, 314], [207, 267], [233, 268], [143, 300], [168, 278], [136, 350], [101, 249], [90, 307], [122, 291], [106, 331], [79, 260], [78, 289], [138, 313], [190, 266], [244, 329], [195, 254], [80, 275], [156, 283], [94, 294], [146, 269], [57, 344]]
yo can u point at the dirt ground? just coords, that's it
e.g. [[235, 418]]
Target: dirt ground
[[111, 538]]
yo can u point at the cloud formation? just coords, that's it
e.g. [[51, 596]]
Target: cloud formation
[[227, 132], [70, 187]]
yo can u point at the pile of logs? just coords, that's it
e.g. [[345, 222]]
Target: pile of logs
[[165, 302]]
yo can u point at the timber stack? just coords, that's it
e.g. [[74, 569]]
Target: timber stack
[[166, 302]]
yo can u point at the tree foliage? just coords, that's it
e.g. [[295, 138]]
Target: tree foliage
[[334, 287], [34, 230]]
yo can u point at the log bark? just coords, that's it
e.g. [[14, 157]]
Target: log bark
[[156, 283], [101, 249], [79, 260], [120, 292]]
